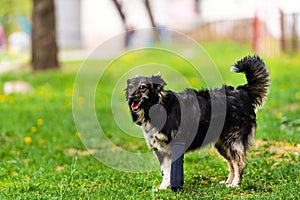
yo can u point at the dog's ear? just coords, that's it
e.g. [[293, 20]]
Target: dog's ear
[[126, 89], [158, 82]]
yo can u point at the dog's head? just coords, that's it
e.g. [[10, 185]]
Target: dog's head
[[143, 91]]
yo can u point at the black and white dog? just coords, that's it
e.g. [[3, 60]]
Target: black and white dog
[[168, 119]]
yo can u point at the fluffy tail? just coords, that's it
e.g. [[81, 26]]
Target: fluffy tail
[[258, 78]]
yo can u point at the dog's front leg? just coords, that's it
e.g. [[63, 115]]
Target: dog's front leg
[[177, 176], [165, 165]]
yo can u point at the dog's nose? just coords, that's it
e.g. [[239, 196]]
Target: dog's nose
[[134, 96], [131, 96]]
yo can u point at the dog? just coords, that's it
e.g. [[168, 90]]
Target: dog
[[168, 119]]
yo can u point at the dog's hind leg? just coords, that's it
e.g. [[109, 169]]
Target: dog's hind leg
[[236, 159], [239, 163], [165, 161], [235, 155], [231, 173], [225, 153]]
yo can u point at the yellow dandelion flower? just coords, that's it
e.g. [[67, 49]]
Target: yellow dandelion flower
[[40, 122], [33, 129], [26, 177], [2, 98], [279, 115], [27, 140], [193, 81], [69, 92]]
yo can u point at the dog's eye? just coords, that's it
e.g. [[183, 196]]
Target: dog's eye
[[142, 87]]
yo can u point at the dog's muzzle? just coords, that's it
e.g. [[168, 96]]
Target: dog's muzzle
[[134, 102]]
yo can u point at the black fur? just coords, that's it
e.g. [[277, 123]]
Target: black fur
[[234, 137]]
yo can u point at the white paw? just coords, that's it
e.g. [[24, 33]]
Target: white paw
[[225, 182], [164, 186], [233, 184]]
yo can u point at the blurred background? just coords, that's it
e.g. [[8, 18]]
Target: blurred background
[[270, 27]]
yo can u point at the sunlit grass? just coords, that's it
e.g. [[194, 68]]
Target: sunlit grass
[[37, 131]]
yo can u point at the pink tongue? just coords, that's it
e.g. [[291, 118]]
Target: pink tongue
[[135, 105]]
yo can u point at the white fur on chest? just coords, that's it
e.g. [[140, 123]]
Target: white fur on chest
[[154, 139]]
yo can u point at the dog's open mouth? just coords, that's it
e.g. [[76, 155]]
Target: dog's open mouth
[[135, 105]]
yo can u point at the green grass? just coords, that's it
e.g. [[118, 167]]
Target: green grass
[[42, 156]]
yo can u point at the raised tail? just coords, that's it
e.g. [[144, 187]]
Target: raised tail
[[258, 78]]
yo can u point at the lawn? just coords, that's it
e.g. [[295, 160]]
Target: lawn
[[44, 156]]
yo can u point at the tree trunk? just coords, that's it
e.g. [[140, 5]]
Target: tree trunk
[[44, 46], [153, 24], [129, 30], [119, 9]]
